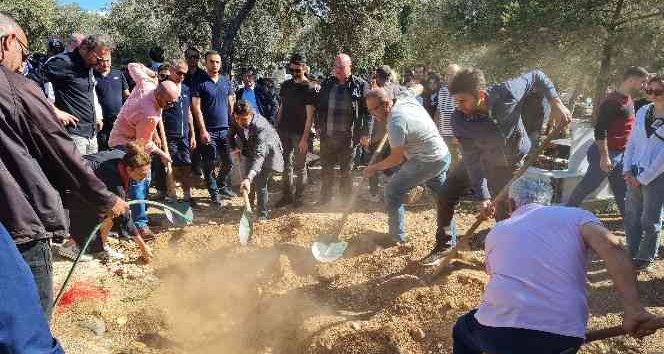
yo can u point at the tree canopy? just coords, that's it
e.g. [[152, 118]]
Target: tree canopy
[[582, 44]]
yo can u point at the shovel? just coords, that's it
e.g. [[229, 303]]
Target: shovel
[[601, 334], [246, 221], [172, 198], [328, 247], [464, 242]]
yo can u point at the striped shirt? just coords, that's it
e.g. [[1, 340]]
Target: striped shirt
[[446, 106]]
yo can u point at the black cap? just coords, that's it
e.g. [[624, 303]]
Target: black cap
[[298, 58]]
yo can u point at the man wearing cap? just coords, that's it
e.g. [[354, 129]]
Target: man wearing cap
[[294, 120]]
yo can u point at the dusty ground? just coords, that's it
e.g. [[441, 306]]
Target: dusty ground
[[205, 294]]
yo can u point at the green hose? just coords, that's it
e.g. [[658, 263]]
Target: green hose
[[93, 234]]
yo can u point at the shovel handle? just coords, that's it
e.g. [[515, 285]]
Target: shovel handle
[[465, 240], [351, 202], [605, 333], [245, 197]]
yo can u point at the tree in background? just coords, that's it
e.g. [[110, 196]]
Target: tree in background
[[583, 44]]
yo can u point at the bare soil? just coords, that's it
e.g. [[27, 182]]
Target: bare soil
[[204, 293]]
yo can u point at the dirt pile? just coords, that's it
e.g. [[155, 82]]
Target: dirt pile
[[206, 294]]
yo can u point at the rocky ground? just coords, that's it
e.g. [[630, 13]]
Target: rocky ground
[[204, 293]]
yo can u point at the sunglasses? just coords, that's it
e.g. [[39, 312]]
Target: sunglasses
[[25, 51], [170, 105], [654, 92]]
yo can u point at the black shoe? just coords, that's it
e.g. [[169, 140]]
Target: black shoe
[[436, 256], [227, 193], [219, 202], [283, 202], [642, 266], [298, 203], [192, 202]]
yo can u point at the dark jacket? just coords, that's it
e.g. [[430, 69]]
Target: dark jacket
[[268, 105], [38, 159], [498, 139], [262, 146], [361, 124], [74, 86]]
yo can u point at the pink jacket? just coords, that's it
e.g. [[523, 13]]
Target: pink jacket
[[140, 114]]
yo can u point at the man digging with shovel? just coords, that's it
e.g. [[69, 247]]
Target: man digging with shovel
[[413, 137], [260, 145], [493, 142], [535, 301]]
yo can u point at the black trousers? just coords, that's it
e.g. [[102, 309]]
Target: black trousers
[[336, 149], [458, 184]]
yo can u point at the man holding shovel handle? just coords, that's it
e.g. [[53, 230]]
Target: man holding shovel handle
[[493, 142], [535, 301]]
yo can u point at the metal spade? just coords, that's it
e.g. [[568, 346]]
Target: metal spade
[[246, 221], [328, 247]]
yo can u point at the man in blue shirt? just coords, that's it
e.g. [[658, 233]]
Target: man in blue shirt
[[261, 100], [23, 327], [178, 125], [212, 103], [493, 141], [112, 89]]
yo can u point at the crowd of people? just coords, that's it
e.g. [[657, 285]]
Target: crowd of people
[[80, 134]]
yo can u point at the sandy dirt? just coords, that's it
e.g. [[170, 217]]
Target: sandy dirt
[[204, 293]]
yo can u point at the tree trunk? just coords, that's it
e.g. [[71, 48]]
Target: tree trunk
[[230, 32], [218, 25], [602, 81]]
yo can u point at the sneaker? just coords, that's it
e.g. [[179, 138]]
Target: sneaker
[[642, 266], [71, 252], [436, 256], [192, 202], [283, 202], [146, 233], [227, 193], [220, 203], [110, 253]]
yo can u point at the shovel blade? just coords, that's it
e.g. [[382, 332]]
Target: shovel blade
[[182, 207], [246, 227], [328, 249]]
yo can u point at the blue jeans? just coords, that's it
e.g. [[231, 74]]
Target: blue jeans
[[471, 337], [412, 173], [138, 190], [643, 219], [37, 255], [217, 152], [595, 176]]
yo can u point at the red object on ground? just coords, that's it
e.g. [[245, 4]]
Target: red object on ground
[[82, 290]]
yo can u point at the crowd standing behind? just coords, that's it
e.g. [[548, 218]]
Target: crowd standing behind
[[97, 144]]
